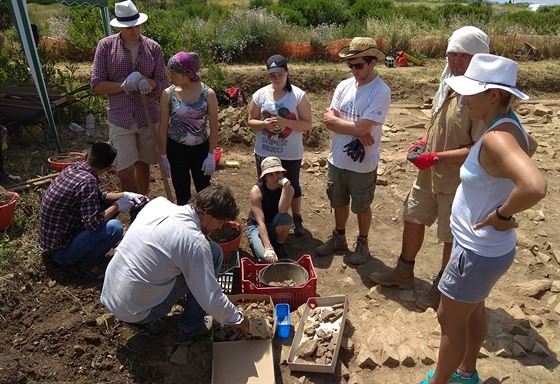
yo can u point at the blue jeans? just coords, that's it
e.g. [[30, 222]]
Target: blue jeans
[[193, 314], [255, 241], [87, 248]]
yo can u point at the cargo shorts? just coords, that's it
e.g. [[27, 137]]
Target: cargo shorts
[[343, 185]]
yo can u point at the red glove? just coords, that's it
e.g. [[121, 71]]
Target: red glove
[[425, 160], [419, 147]]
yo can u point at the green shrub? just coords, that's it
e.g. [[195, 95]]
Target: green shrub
[[317, 12], [289, 15]]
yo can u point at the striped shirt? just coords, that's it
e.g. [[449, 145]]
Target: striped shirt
[[71, 204], [113, 62]]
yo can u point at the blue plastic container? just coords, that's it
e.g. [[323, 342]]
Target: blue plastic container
[[283, 320]]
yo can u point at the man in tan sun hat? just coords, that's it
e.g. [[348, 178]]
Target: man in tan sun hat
[[125, 66], [355, 117]]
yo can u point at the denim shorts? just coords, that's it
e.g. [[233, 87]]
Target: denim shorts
[[469, 277]]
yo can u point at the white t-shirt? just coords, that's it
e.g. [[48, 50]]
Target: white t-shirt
[[164, 243], [288, 144], [370, 102]]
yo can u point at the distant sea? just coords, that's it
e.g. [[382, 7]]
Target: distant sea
[[543, 2]]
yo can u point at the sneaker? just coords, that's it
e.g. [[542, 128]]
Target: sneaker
[[153, 328], [458, 379], [334, 243], [202, 332], [298, 226], [361, 253], [431, 299]]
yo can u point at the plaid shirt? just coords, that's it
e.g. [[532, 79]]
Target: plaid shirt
[[113, 62], [70, 204]]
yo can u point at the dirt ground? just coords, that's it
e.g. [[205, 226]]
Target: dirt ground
[[52, 328]]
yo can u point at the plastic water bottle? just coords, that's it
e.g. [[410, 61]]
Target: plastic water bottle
[[90, 124]]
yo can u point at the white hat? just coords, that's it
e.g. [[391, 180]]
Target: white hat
[[271, 164], [127, 15], [487, 72]]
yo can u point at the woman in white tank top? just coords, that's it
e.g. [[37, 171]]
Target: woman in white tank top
[[498, 180]]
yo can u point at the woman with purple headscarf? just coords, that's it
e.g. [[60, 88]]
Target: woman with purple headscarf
[[187, 108]]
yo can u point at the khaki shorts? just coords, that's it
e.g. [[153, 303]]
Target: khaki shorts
[[421, 206], [133, 145], [343, 184]]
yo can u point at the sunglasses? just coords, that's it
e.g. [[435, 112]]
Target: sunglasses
[[358, 66]]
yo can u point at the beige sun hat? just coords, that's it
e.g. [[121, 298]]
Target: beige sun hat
[[271, 164], [361, 46], [127, 15]]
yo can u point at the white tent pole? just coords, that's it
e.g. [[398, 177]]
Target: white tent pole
[[19, 9]]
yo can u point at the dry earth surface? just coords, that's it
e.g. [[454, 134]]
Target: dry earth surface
[[53, 328]]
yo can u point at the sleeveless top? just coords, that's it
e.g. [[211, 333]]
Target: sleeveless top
[[477, 196], [188, 121], [288, 144], [270, 200]]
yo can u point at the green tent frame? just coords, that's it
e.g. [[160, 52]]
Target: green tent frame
[[20, 16]]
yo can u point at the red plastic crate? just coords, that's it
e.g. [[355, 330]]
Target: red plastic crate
[[295, 296]]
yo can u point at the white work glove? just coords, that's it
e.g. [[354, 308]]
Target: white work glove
[[130, 84], [144, 86], [124, 204], [135, 198], [270, 256], [209, 165], [166, 165]]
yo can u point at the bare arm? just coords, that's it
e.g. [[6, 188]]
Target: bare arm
[[502, 156], [286, 197], [164, 114], [213, 119], [110, 212], [256, 208], [353, 128]]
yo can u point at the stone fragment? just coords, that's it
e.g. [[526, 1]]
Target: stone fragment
[[425, 355], [534, 287], [518, 351], [536, 321], [344, 372], [557, 309], [543, 257], [527, 342], [541, 110], [307, 348], [503, 352], [405, 355], [483, 353], [107, 320], [555, 287], [539, 349], [517, 312], [390, 357], [355, 378], [366, 359]]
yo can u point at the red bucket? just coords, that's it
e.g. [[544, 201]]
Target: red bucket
[[232, 245], [8, 210]]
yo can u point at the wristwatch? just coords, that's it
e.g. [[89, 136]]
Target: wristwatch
[[500, 217]]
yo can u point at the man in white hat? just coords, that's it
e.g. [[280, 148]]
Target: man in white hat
[[438, 155], [355, 117], [125, 66]]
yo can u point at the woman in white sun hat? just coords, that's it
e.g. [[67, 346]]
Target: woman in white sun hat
[[498, 180]]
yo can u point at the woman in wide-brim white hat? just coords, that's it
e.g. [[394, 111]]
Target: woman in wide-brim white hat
[[498, 180]]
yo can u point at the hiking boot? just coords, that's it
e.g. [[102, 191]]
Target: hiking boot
[[200, 333], [153, 328], [334, 243], [361, 252], [402, 276], [298, 226], [456, 378], [431, 299]]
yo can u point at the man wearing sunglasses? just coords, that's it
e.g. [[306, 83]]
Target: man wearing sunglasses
[[355, 117]]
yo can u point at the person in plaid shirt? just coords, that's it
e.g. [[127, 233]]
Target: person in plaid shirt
[[125, 66], [76, 220]]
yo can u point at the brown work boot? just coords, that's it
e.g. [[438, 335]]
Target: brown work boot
[[402, 276], [431, 299], [334, 243], [361, 252]]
